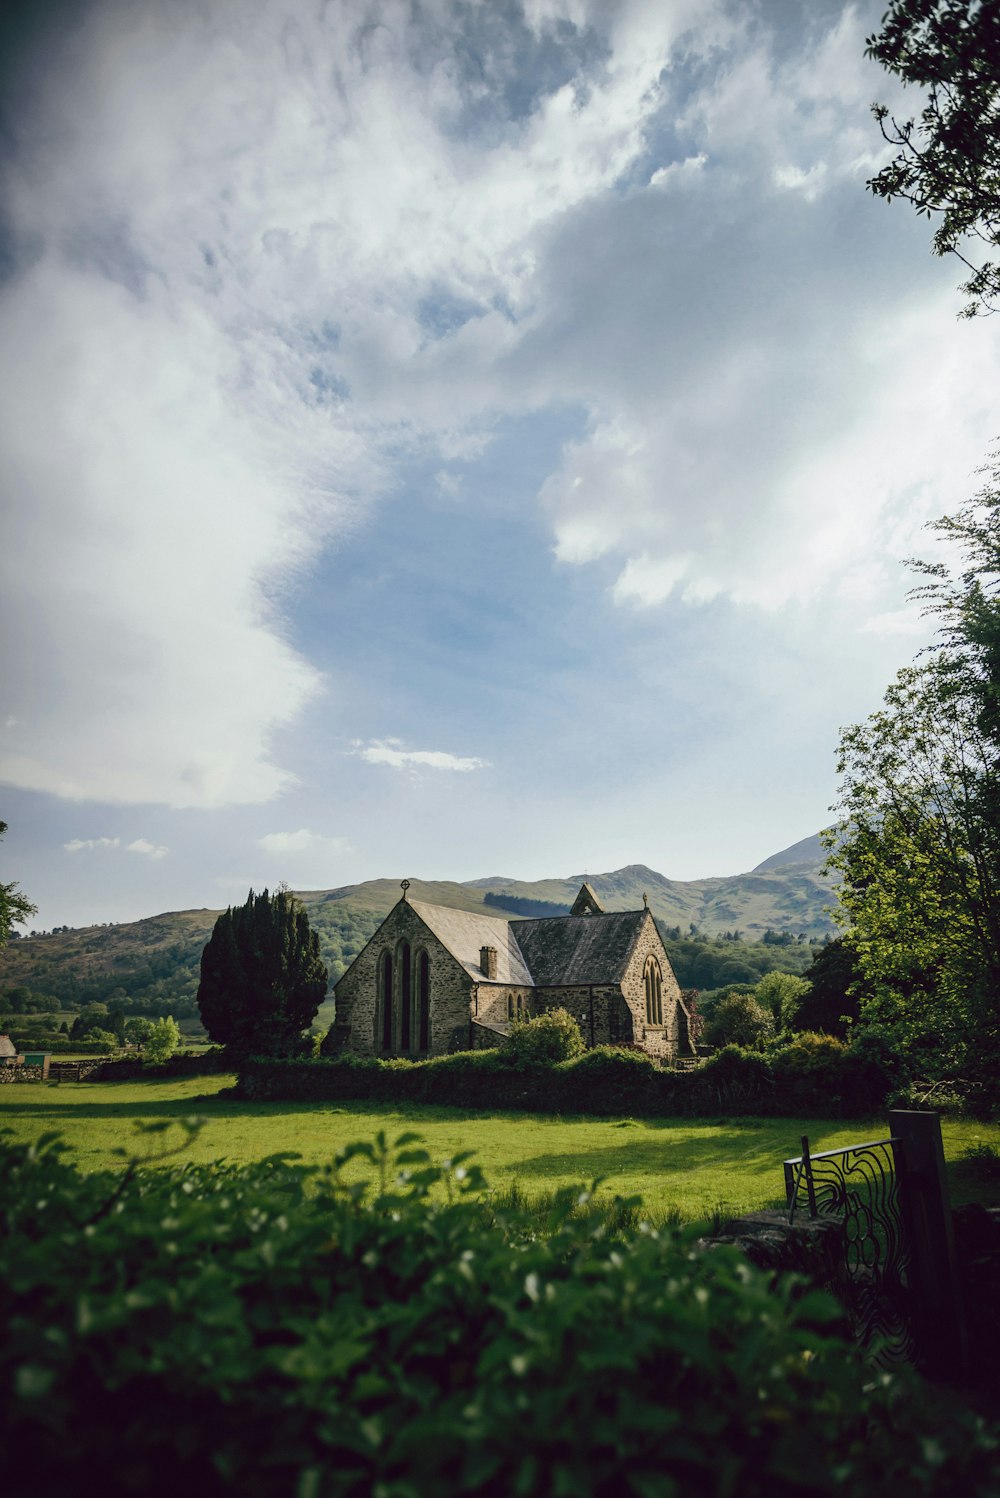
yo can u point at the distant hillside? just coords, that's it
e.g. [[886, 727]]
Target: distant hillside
[[809, 853], [152, 965]]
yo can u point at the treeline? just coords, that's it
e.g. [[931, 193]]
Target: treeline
[[705, 962], [522, 905]]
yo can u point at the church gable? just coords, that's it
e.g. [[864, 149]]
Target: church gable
[[586, 902], [653, 994], [404, 994], [468, 936]]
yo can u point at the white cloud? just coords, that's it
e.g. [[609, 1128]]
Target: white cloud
[[219, 348], [390, 752], [138, 845], [301, 841], [221, 336], [150, 850]]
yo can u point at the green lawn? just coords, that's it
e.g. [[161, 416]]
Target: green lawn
[[691, 1166]]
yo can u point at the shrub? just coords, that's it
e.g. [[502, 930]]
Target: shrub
[[104, 1040], [269, 1330], [162, 1041], [611, 1080], [544, 1040], [732, 1081], [812, 1072], [982, 1161], [738, 1020]]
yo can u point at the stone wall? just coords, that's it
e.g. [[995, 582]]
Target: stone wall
[[655, 1039], [491, 1002], [20, 1073], [813, 1247], [450, 990], [592, 1005]]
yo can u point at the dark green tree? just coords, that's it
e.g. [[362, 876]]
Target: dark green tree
[[262, 978], [829, 1004], [947, 161]]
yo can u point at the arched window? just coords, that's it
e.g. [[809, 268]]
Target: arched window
[[405, 997], [385, 999], [423, 1002], [654, 992]]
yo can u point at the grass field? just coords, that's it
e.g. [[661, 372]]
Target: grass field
[[691, 1166]]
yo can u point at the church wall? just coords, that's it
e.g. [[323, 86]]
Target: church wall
[[450, 989], [658, 1041], [490, 1002], [591, 1005]]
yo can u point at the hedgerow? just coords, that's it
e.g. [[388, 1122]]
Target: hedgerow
[[604, 1081], [273, 1329]]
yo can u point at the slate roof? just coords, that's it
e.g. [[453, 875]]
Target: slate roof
[[464, 933], [568, 949], [551, 952]]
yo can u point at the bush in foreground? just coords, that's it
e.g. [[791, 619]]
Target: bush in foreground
[[272, 1330]]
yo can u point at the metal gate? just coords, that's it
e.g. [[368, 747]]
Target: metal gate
[[859, 1185]]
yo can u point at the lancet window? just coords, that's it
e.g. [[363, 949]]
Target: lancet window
[[423, 1002], [653, 980], [384, 999]]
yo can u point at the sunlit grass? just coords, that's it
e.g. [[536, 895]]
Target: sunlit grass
[[687, 1168]]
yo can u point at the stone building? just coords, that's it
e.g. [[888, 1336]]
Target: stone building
[[434, 980]]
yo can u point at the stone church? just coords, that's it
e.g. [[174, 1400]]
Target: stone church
[[433, 980]]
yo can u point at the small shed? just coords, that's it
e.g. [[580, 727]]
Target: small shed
[[8, 1052]]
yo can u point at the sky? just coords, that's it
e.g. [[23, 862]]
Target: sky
[[446, 439]]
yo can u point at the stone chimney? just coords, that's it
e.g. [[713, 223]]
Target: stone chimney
[[488, 961]]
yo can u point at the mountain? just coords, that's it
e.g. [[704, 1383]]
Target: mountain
[[153, 964], [809, 853]]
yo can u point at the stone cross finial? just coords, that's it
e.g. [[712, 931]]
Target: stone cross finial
[[404, 885], [645, 900]]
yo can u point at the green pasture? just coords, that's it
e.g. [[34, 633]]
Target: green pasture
[[690, 1166]]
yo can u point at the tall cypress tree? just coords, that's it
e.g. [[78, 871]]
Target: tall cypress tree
[[262, 978]]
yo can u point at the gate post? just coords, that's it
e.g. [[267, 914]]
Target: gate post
[[936, 1304]]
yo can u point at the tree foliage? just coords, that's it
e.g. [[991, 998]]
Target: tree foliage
[[14, 906], [162, 1042], [919, 852], [741, 1020], [262, 978], [782, 995], [830, 1005], [947, 161]]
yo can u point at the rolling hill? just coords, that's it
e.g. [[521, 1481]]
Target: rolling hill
[[152, 964]]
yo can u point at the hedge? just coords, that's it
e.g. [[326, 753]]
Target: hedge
[[605, 1081], [268, 1330], [184, 1064]]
